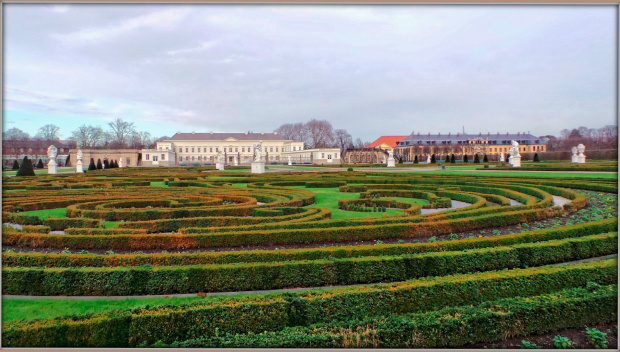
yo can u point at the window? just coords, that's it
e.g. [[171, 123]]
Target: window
[[205, 150], [180, 150], [230, 149], [294, 148], [243, 149], [187, 158], [236, 149], [192, 158], [271, 149], [322, 155], [199, 158], [187, 150], [335, 155], [146, 157], [154, 157], [180, 158], [127, 161], [276, 149], [159, 148], [329, 156], [217, 150], [167, 148], [163, 157], [211, 158], [192, 150]]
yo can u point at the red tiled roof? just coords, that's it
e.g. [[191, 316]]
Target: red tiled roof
[[389, 140]]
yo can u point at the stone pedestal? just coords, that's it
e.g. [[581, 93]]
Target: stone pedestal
[[219, 166], [391, 162], [51, 167], [79, 168], [290, 163], [515, 161], [258, 167], [574, 158], [235, 162], [581, 159]]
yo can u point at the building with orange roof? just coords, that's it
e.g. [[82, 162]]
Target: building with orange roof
[[386, 142]]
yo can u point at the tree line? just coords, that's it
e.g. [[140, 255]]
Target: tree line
[[320, 134], [119, 134], [603, 138]]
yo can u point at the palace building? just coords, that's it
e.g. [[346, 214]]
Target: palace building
[[203, 148], [468, 144]]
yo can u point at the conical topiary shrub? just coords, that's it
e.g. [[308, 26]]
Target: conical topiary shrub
[[99, 164], [465, 160], [92, 165], [536, 159], [415, 161], [447, 158], [26, 168], [106, 163], [485, 159], [15, 165], [40, 164], [476, 159], [452, 159], [433, 160]]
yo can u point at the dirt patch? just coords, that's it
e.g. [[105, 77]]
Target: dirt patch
[[577, 336]]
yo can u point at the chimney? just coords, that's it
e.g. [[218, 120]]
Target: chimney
[[211, 132], [439, 134], [449, 133]]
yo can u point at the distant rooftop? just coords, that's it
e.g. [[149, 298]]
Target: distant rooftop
[[213, 136], [389, 140], [455, 138]]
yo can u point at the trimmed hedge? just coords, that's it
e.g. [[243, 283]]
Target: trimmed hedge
[[450, 327], [275, 311], [265, 276], [93, 260]]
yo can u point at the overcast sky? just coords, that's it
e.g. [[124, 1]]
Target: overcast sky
[[373, 70]]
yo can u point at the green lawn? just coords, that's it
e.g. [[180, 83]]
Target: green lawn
[[15, 309], [242, 185], [550, 174], [38, 171], [328, 198], [47, 213], [408, 200], [159, 184]]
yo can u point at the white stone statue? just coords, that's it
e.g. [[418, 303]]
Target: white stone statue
[[581, 158], [258, 150], [574, 158], [235, 161], [79, 167], [120, 162], [428, 159], [515, 157], [501, 157], [289, 160], [390, 161], [220, 161], [52, 152]]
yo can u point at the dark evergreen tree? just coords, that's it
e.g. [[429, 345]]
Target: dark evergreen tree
[[447, 158], [99, 164], [26, 168], [452, 159], [433, 160], [536, 159], [465, 160], [507, 157], [476, 159], [113, 164], [40, 164], [92, 165], [486, 159], [415, 161], [400, 160], [106, 163], [15, 165]]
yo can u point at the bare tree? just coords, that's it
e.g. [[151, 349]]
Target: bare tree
[[48, 132], [122, 131], [88, 136], [320, 133], [15, 134], [294, 131], [359, 144], [343, 140]]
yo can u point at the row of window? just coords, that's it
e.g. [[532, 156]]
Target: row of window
[[212, 158], [505, 142], [230, 149], [147, 156]]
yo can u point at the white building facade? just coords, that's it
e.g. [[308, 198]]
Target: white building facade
[[194, 149]]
